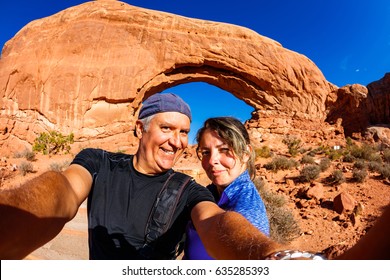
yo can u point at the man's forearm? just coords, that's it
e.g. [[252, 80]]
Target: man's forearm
[[237, 238], [34, 213], [375, 245]]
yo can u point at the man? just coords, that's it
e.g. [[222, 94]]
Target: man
[[122, 191]]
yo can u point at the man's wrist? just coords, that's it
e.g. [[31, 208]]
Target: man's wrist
[[295, 255]]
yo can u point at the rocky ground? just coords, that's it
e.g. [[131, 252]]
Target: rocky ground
[[322, 229]]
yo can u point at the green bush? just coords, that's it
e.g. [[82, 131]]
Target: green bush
[[310, 173], [385, 171], [374, 166], [306, 159], [349, 141], [25, 167], [325, 164], [334, 154], [317, 151], [280, 163], [360, 164], [283, 226], [364, 152], [348, 158], [27, 154], [293, 145], [263, 152], [337, 177], [386, 155], [359, 175], [53, 143]]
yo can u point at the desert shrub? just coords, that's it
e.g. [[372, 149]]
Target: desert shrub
[[311, 153], [375, 157], [306, 159], [53, 143], [360, 164], [27, 154], [59, 166], [310, 173], [283, 226], [25, 167], [349, 141], [374, 166], [337, 177], [280, 163], [348, 158], [386, 155], [317, 151], [334, 154], [268, 196], [293, 144], [263, 152], [325, 164], [385, 171], [366, 152], [359, 175]]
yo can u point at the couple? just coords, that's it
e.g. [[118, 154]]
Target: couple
[[122, 192]]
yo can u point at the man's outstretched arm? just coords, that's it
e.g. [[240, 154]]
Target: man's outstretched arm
[[228, 235], [35, 212], [375, 244]]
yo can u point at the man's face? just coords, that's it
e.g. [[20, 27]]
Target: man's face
[[162, 143]]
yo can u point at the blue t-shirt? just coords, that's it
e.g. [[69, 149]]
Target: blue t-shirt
[[240, 196]]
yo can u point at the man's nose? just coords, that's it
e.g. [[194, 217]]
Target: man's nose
[[175, 140]]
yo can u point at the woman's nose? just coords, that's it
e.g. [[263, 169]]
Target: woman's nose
[[214, 157]]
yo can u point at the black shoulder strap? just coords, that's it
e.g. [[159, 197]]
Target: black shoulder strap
[[161, 215]]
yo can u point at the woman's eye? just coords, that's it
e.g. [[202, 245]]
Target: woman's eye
[[224, 151]]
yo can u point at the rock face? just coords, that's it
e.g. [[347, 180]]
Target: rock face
[[87, 69], [361, 107], [378, 103]]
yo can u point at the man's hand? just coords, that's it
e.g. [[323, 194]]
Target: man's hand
[[228, 235]]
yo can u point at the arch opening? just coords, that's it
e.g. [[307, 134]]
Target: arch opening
[[208, 101]]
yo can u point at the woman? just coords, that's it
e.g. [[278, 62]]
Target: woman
[[228, 158]]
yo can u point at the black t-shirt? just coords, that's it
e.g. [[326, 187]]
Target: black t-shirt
[[119, 205]]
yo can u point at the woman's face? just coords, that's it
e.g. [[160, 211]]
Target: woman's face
[[218, 159]]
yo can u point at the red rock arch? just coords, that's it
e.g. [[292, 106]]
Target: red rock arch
[[87, 69]]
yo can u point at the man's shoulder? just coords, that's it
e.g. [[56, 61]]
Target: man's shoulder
[[104, 153]]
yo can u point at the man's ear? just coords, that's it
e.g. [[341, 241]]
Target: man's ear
[[139, 127]]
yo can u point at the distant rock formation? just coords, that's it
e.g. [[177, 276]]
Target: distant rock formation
[[87, 69], [362, 107]]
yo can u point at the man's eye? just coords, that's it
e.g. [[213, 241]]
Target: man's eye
[[184, 132]]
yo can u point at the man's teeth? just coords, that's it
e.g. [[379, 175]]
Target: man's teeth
[[169, 152]]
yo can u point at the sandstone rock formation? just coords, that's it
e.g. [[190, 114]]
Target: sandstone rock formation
[[87, 69], [363, 109]]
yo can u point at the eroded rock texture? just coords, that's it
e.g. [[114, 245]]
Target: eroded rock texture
[[87, 69]]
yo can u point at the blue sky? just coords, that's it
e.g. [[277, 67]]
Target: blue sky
[[349, 40]]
